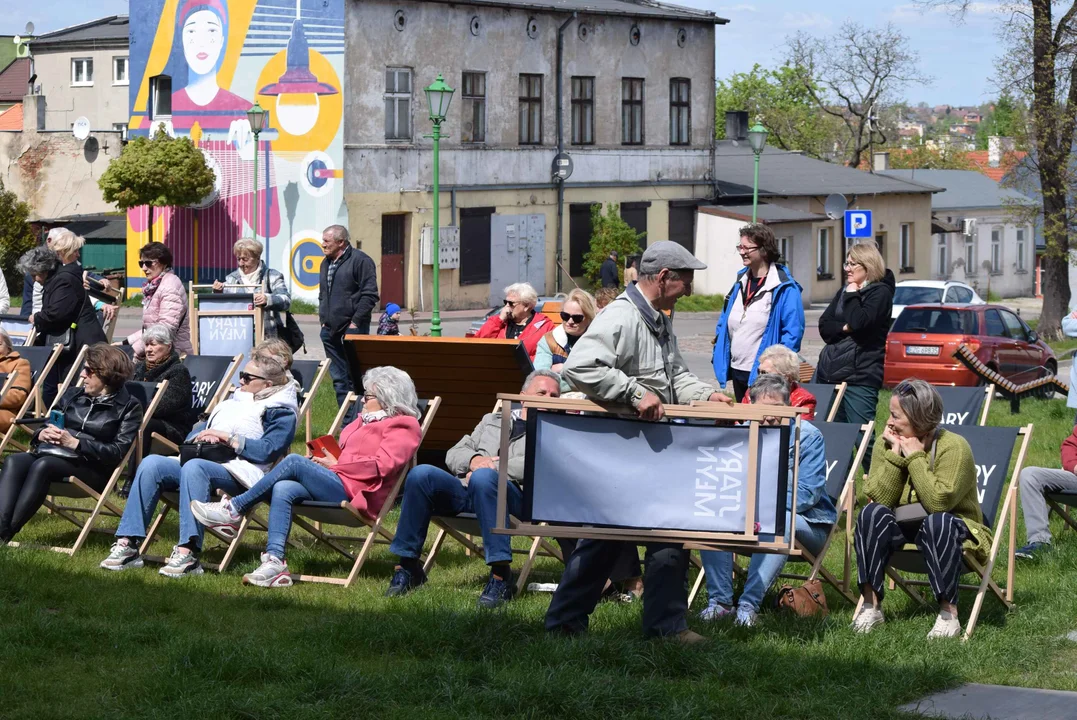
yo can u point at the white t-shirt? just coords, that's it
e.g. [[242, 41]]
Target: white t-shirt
[[746, 326]]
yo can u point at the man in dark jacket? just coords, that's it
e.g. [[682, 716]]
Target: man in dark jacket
[[608, 271], [348, 293]]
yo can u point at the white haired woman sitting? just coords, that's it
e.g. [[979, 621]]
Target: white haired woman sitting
[[518, 319], [374, 450]]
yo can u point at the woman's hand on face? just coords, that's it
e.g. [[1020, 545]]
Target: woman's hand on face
[[911, 445], [892, 441], [852, 287]]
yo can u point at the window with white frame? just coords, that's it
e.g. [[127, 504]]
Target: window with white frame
[[119, 71], [906, 259], [996, 250], [944, 256], [474, 98], [397, 103], [1020, 249], [161, 100], [822, 255], [82, 72], [970, 254], [785, 249]]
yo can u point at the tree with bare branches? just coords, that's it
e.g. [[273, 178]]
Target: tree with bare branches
[[852, 73], [1039, 66]]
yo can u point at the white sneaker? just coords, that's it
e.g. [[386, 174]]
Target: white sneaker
[[181, 564], [122, 557], [272, 573], [866, 620], [217, 516], [946, 626], [745, 616]]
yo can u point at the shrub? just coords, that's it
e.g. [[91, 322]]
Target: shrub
[[609, 232]]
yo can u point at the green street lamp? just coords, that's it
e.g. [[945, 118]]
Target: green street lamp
[[256, 116], [757, 138], [438, 97]]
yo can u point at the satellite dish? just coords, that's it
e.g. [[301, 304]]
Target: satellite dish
[[17, 40], [835, 206], [81, 128], [29, 28]]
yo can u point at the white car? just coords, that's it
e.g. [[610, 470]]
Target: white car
[[920, 292]]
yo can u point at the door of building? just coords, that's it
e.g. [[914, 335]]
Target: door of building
[[392, 259], [518, 253], [682, 224]]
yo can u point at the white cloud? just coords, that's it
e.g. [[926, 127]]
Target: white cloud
[[730, 9], [806, 20]]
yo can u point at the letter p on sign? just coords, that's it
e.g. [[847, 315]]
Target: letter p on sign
[[858, 224]]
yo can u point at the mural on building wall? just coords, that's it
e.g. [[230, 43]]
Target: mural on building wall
[[197, 66]]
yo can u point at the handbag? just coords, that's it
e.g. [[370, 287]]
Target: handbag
[[214, 452], [57, 451], [291, 333], [66, 339], [807, 600]]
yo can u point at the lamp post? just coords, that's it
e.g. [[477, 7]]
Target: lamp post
[[438, 97], [256, 116], [757, 138]]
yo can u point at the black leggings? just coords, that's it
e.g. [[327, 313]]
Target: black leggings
[[626, 567], [24, 483]]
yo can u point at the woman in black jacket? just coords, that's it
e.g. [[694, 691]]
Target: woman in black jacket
[[100, 423], [64, 304], [854, 327], [173, 418]]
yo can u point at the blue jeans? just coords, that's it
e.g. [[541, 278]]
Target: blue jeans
[[294, 478], [195, 481], [431, 491], [340, 369], [763, 569]]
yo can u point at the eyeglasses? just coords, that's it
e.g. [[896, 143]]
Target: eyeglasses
[[246, 377], [744, 250], [565, 317], [512, 303], [368, 397], [849, 264], [146, 263]]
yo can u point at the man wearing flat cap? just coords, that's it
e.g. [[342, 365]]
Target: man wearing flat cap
[[628, 359]]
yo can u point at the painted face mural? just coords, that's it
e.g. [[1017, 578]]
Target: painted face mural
[[203, 41]]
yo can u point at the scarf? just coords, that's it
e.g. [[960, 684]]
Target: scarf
[[268, 392], [372, 417], [255, 278], [150, 287]]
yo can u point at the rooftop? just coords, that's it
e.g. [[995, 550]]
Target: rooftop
[[980, 159], [15, 80], [965, 189], [767, 213], [99, 226], [112, 29], [630, 8], [787, 174], [11, 119]]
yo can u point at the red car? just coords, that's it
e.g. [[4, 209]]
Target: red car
[[924, 338]]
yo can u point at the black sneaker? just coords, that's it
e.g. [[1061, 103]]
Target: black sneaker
[[497, 592], [1032, 551], [405, 581]]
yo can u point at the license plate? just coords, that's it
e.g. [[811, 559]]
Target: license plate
[[921, 350]]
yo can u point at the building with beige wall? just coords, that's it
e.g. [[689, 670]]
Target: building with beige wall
[[638, 118], [83, 71]]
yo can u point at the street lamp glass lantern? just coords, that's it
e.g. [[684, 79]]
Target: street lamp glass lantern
[[757, 138], [438, 97], [256, 116]]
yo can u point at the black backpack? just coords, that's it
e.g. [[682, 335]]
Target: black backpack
[[291, 334]]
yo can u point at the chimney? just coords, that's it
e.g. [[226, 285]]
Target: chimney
[[736, 125], [880, 162], [996, 148], [33, 112]]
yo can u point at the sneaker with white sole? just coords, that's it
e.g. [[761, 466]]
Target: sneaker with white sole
[[181, 564], [745, 616], [272, 573], [946, 626], [867, 619], [217, 516], [122, 557], [715, 611]]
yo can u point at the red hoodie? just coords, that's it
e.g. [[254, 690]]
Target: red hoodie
[[372, 456], [799, 397], [494, 327], [1069, 452]]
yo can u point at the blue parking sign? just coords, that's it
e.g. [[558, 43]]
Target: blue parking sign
[[858, 224]]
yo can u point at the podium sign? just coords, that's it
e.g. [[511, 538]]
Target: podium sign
[[226, 324]]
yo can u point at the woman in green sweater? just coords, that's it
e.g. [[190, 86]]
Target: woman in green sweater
[[919, 462]]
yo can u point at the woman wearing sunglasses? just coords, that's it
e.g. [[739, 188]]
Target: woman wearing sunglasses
[[577, 312], [164, 300], [517, 319], [258, 423]]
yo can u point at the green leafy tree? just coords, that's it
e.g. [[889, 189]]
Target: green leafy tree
[[162, 172], [16, 236], [609, 232]]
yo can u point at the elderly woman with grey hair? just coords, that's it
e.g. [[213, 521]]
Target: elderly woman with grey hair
[[922, 489], [174, 417], [780, 360], [518, 319], [273, 297], [374, 450]]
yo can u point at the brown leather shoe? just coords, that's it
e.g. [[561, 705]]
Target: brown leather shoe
[[687, 637]]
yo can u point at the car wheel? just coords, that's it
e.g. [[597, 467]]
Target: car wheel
[[1048, 391]]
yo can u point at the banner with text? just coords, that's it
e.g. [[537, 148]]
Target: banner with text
[[226, 334]]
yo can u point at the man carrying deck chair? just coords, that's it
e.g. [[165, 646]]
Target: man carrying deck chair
[[1036, 483], [629, 359], [471, 488]]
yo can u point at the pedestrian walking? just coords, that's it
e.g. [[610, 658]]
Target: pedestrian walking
[[608, 271]]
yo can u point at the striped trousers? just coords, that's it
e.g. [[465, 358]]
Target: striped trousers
[[939, 539]]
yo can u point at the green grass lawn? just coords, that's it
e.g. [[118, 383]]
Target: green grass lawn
[[79, 642], [700, 303]]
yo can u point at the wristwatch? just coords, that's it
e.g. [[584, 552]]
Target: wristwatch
[[637, 395]]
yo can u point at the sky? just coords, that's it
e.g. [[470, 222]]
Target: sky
[[960, 57]]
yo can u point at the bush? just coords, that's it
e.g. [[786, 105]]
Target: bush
[[609, 232], [16, 237]]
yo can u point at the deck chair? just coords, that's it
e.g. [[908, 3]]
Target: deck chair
[[992, 448], [314, 516], [210, 378], [19, 329], [73, 376], [309, 374], [149, 396], [842, 466], [41, 360], [827, 399], [965, 405]]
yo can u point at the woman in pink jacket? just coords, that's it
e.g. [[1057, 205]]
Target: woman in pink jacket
[[374, 450], [164, 300]]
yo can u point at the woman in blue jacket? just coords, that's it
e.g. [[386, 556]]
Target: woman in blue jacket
[[764, 308]]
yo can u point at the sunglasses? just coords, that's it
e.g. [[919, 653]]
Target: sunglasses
[[146, 263], [565, 317], [246, 377], [512, 303]]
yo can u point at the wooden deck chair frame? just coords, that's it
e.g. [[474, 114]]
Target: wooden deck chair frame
[[33, 397], [311, 517], [163, 445], [70, 378], [72, 487], [846, 503], [305, 410], [1007, 517]]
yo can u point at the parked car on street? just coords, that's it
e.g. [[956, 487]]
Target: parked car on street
[[921, 292], [924, 338]]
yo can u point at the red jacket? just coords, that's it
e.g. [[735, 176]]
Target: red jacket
[[494, 327], [1069, 452], [372, 456], [800, 397]]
